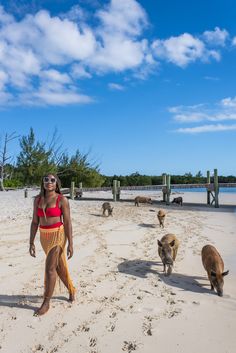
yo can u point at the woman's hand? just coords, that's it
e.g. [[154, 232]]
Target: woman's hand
[[69, 251], [32, 250]]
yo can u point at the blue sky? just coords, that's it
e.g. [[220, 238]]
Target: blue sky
[[147, 85]]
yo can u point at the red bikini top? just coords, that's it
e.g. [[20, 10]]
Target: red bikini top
[[50, 211]]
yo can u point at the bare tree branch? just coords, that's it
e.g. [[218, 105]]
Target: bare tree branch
[[4, 158]]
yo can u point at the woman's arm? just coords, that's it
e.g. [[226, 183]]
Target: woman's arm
[[33, 228], [67, 225]]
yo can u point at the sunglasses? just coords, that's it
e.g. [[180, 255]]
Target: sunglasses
[[49, 180]]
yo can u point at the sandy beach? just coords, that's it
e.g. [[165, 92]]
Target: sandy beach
[[124, 302]]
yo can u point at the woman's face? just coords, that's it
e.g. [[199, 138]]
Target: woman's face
[[49, 182]]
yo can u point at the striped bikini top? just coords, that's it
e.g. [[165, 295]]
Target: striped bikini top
[[50, 211]]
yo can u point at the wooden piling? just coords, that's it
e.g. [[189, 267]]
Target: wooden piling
[[164, 189], [118, 190], [114, 190], [216, 188], [80, 193], [208, 190], [168, 191], [72, 190]]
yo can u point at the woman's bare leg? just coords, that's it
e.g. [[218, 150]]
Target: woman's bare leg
[[51, 275], [63, 274]]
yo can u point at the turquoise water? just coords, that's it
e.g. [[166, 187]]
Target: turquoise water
[[225, 190]]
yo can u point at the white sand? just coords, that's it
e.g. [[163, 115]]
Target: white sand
[[124, 303]]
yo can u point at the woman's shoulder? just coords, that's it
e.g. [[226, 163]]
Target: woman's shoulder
[[37, 199], [62, 199]]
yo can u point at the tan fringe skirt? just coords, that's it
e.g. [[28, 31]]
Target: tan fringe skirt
[[49, 238]]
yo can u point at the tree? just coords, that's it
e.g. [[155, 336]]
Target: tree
[[4, 158], [34, 159], [79, 168]]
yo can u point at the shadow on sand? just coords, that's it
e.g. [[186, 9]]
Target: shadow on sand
[[147, 225], [24, 301], [187, 206], [186, 283], [141, 268], [97, 215]]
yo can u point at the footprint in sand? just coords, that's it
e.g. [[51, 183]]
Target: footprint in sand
[[92, 342], [147, 326], [129, 346], [111, 327]]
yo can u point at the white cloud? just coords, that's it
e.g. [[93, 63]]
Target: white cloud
[[56, 76], [42, 57], [74, 14], [123, 17], [206, 128], [116, 86], [117, 54], [5, 98], [216, 37], [229, 102], [211, 78], [3, 79], [118, 46], [5, 18], [62, 41], [223, 111], [182, 50], [61, 98], [78, 71], [234, 41]]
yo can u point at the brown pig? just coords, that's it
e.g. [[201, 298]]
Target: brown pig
[[142, 199], [214, 265], [167, 250], [161, 217], [106, 206]]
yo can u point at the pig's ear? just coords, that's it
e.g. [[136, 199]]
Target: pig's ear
[[172, 243], [225, 273], [159, 243], [213, 274]]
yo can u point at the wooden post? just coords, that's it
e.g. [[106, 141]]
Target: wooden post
[[168, 189], [114, 190], [164, 186], [118, 190], [26, 193], [72, 190], [216, 188], [80, 189], [208, 191]]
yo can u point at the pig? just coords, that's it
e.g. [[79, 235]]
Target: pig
[[214, 265], [161, 217], [79, 194], [107, 207], [178, 200], [142, 199], [167, 250]]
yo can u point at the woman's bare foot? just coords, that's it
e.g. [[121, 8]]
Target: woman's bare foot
[[43, 309], [72, 296]]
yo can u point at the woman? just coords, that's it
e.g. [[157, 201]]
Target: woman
[[52, 216]]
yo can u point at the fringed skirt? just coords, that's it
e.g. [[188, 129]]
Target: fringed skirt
[[51, 237]]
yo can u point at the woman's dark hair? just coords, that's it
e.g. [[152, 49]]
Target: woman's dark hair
[[58, 184], [43, 191]]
